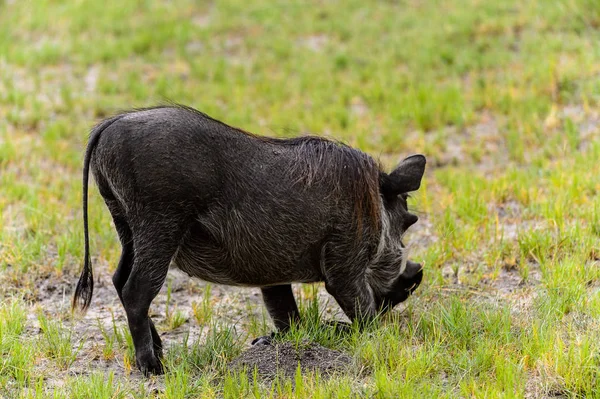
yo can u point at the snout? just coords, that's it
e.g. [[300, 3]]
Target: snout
[[404, 285], [413, 273]]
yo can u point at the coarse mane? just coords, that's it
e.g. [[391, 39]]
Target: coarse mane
[[352, 172]]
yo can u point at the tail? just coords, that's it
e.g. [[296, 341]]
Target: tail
[[85, 285]]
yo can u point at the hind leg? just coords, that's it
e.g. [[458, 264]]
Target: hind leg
[[125, 265], [147, 276], [120, 278], [155, 241]]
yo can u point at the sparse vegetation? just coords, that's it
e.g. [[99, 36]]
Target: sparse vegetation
[[502, 96]]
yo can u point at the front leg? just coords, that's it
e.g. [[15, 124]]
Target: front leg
[[355, 297], [281, 305], [345, 280]]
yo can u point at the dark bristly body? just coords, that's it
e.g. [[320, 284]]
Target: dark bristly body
[[234, 208]]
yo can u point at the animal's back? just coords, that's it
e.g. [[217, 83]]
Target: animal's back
[[167, 153], [250, 218]]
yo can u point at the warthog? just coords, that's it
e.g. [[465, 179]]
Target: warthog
[[234, 208]]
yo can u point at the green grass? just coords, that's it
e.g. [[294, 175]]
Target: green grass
[[502, 96]]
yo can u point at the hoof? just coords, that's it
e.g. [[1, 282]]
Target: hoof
[[264, 340], [151, 366]]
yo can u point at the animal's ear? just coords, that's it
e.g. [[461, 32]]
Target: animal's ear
[[405, 178]]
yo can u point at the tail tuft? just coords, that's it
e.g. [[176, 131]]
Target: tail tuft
[[84, 289]]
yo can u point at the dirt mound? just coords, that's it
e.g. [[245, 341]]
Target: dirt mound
[[283, 358]]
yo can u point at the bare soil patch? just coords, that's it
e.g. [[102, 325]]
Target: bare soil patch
[[284, 359]]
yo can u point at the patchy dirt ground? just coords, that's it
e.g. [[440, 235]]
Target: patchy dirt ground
[[285, 358], [231, 306], [242, 309]]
